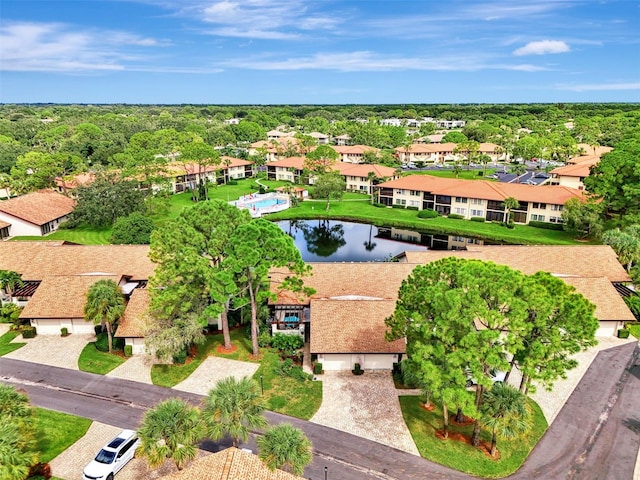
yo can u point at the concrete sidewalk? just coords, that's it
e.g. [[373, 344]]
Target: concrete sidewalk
[[205, 377]]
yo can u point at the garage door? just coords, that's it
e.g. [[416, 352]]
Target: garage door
[[46, 326], [379, 361], [80, 326], [336, 361], [607, 329]]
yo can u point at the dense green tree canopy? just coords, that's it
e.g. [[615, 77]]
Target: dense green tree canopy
[[134, 229]]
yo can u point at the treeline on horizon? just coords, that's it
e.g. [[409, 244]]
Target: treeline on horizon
[[82, 137]]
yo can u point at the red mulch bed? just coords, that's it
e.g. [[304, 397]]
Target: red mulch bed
[[484, 447], [428, 407], [224, 351]]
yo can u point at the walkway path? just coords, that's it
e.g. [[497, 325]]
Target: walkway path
[[136, 368], [52, 350], [205, 377], [364, 405]]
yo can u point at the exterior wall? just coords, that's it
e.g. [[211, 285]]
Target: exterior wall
[[357, 184], [544, 212], [52, 326], [292, 331], [608, 328], [346, 361], [20, 227], [572, 182], [137, 345]]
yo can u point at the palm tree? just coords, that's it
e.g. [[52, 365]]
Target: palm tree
[[518, 169], [509, 204], [505, 411], [105, 306], [9, 280], [18, 451], [285, 447], [171, 430], [232, 408]]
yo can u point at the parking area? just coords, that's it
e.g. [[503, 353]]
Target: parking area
[[365, 405], [70, 463], [53, 350], [205, 377]]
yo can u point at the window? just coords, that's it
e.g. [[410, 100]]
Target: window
[[401, 192], [401, 201], [556, 208], [461, 211], [556, 220], [477, 213], [461, 199], [476, 201], [537, 218], [414, 203], [414, 193], [539, 205]]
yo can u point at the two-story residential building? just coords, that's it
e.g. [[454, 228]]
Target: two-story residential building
[[477, 198], [342, 140], [440, 153], [321, 138], [187, 176], [276, 148], [354, 153], [35, 214]]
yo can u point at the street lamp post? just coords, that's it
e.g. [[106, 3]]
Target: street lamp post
[[325, 473]]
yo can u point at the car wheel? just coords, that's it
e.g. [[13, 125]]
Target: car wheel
[[110, 476]]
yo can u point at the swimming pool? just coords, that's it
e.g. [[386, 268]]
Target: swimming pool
[[261, 204]]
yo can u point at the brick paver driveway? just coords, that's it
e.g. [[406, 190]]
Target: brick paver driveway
[[365, 405], [52, 350], [205, 377], [136, 368]]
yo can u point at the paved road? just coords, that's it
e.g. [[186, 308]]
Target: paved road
[[595, 436]]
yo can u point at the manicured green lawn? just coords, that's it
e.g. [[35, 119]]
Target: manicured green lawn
[[57, 431], [82, 235], [635, 330], [93, 360], [393, 217], [282, 394], [461, 456], [5, 346]]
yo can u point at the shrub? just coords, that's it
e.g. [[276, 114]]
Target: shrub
[[180, 357], [455, 216], [477, 219], [66, 225], [480, 173], [128, 350], [64, 331], [286, 343], [428, 213], [412, 208], [133, 229], [232, 182], [357, 370], [102, 342], [286, 368], [510, 225], [10, 313], [262, 189], [317, 368], [398, 206], [97, 329], [29, 332], [379, 205], [264, 339], [623, 333], [545, 225]]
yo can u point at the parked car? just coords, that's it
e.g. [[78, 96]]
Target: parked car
[[112, 457], [496, 376]]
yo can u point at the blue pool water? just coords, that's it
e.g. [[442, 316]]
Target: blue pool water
[[267, 202]]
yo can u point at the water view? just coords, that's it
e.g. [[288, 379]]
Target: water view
[[336, 241]]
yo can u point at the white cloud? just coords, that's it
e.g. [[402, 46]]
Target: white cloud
[[542, 47], [600, 87], [56, 47]]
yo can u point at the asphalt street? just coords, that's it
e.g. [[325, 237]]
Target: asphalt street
[[595, 436]]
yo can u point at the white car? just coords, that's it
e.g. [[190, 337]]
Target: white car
[[112, 457]]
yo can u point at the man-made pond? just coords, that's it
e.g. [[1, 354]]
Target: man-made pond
[[336, 241]]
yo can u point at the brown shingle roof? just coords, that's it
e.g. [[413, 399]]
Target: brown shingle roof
[[38, 207], [599, 291], [134, 321], [36, 260], [229, 464], [62, 296], [4, 224], [373, 280], [352, 326], [562, 260]]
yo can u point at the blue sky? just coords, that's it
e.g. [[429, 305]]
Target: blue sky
[[318, 51]]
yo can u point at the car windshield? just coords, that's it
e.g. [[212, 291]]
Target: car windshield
[[105, 456]]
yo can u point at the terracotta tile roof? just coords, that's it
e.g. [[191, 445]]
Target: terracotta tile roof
[[363, 169], [575, 170], [229, 464], [599, 291], [360, 323], [38, 207], [560, 260], [81, 179], [289, 162], [134, 321], [36, 260], [354, 149], [598, 150], [372, 280], [591, 159], [234, 162], [484, 189], [62, 296]]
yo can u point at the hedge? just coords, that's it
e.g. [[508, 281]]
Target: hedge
[[478, 219], [29, 332], [546, 225], [428, 213], [128, 350], [455, 216]]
